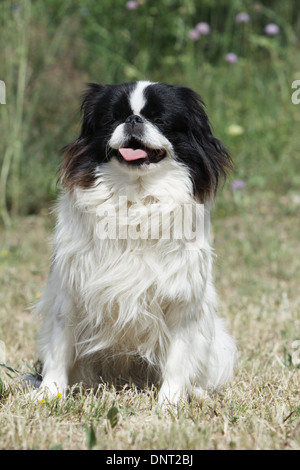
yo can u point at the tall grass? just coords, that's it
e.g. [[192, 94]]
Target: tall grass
[[12, 124], [50, 49], [37, 57]]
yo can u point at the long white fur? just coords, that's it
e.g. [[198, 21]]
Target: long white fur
[[145, 308]]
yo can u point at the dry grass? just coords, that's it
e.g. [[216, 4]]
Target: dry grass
[[257, 275]]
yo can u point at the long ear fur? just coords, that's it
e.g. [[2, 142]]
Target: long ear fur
[[90, 98], [76, 167], [213, 160]]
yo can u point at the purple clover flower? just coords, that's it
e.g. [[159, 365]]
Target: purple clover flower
[[242, 17], [271, 29], [203, 28], [231, 58], [238, 184], [132, 5]]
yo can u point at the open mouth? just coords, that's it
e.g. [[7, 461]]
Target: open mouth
[[135, 154]]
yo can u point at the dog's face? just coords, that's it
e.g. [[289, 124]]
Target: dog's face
[[140, 125]]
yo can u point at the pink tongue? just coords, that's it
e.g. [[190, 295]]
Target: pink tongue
[[131, 154]]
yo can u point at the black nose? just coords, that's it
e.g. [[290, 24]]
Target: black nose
[[134, 119]]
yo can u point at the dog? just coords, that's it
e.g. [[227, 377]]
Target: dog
[[123, 305]]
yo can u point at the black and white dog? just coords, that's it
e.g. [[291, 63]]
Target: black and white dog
[[125, 303]]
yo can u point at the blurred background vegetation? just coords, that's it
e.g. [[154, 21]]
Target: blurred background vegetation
[[241, 56]]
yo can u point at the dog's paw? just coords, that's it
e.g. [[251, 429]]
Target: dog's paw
[[170, 395], [46, 392]]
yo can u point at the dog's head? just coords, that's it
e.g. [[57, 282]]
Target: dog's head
[[141, 125]]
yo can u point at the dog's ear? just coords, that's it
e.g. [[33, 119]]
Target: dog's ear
[[76, 168], [90, 99], [213, 161]]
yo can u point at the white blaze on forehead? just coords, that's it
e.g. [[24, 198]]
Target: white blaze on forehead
[[137, 98]]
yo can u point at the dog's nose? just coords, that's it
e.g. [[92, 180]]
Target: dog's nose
[[134, 119]]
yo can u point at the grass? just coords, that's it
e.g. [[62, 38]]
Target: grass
[[257, 275]]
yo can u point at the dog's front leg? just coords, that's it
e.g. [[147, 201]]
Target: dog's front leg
[[201, 355], [56, 348], [56, 363], [180, 367]]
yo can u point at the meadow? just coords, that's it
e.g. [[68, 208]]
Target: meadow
[[242, 57]]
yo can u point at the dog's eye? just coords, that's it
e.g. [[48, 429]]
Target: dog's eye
[[109, 122], [158, 121]]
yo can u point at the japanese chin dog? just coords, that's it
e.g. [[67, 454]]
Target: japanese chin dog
[[130, 297]]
